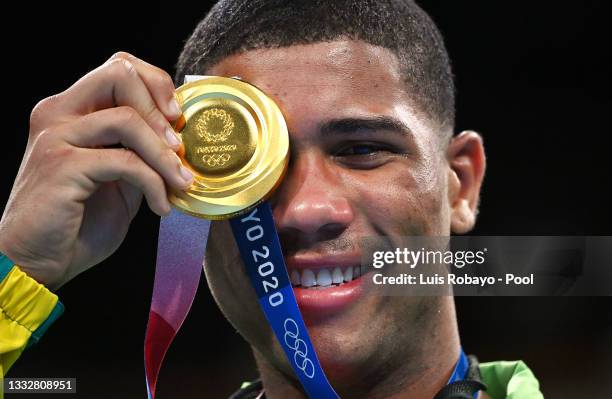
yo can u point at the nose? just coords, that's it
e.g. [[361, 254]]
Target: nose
[[311, 202]]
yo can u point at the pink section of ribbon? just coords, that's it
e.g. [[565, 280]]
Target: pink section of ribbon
[[180, 256]]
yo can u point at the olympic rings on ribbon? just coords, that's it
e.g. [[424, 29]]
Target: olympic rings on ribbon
[[299, 347]]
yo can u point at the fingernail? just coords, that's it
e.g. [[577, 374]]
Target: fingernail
[[174, 107], [172, 138], [186, 174]]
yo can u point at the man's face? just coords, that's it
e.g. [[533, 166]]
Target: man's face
[[365, 162]]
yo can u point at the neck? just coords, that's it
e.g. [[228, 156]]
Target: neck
[[421, 373]]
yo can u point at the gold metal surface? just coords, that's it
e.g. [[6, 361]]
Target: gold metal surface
[[235, 142]]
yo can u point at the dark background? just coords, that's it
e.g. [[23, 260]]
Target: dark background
[[532, 77]]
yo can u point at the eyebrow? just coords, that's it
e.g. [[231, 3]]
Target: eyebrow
[[365, 125]]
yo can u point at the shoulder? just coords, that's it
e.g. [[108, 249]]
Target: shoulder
[[510, 380]]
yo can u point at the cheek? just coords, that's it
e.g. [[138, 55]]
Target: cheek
[[401, 200], [230, 285], [236, 298]]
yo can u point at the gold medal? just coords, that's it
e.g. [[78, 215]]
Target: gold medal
[[235, 142]]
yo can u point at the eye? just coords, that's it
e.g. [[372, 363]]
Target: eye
[[364, 155], [361, 149]]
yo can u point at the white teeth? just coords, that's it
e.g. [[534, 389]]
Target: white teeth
[[295, 277], [308, 278], [348, 274], [324, 278], [337, 276]]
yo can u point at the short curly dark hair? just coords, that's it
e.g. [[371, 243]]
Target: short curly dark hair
[[234, 26]]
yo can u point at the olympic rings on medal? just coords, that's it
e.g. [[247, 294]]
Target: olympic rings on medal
[[216, 159], [299, 348]]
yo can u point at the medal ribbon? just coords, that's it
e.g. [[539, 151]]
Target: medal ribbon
[[180, 254], [260, 248], [461, 369]]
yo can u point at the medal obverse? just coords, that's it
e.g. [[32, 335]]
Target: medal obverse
[[235, 142]]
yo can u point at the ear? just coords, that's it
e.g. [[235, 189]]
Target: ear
[[466, 160]]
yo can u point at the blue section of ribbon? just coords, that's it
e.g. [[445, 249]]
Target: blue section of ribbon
[[461, 368], [259, 246]]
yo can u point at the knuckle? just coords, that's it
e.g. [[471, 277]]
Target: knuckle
[[169, 156], [53, 155], [121, 55], [126, 116], [130, 159], [120, 69], [154, 117], [41, 112], [154, 179], [157, 183], [145, 175], [164, 80]]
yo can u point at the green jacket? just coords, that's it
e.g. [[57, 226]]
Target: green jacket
[[510, 380]]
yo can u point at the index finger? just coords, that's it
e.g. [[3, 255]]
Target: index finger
[[114, 84], [102, 87], [158, 82]]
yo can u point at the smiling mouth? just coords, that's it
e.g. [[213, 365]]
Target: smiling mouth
[[324, 277], [326, 284]]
